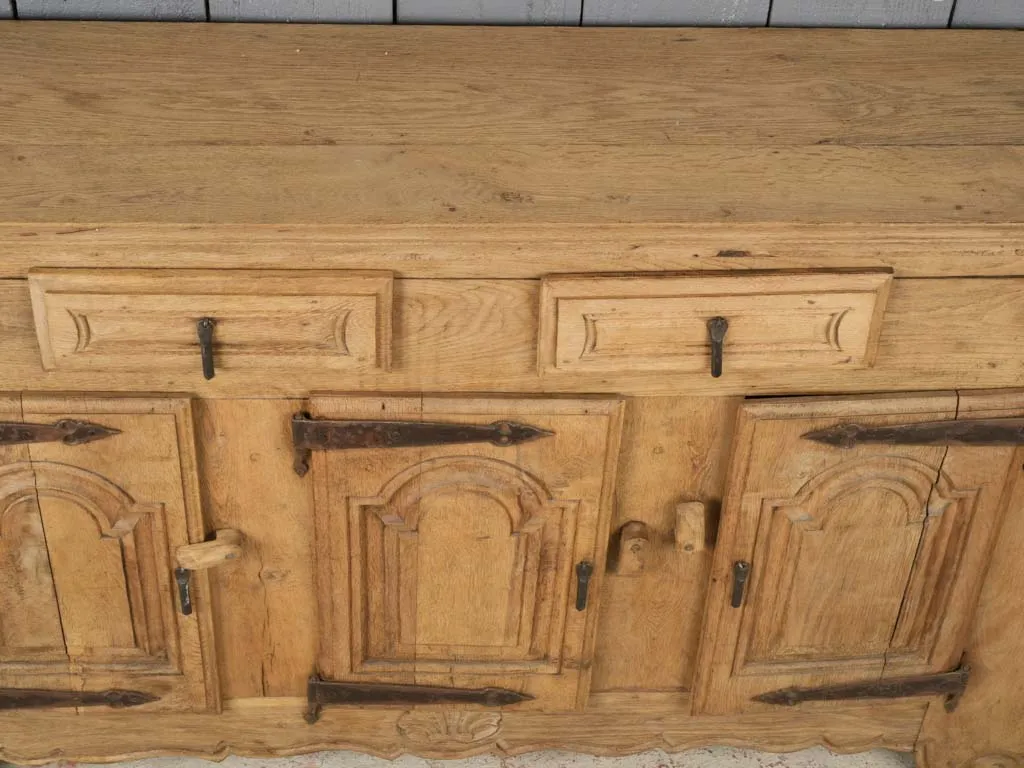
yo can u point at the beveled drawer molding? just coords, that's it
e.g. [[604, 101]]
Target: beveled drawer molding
[[146, 319], [609, 324]]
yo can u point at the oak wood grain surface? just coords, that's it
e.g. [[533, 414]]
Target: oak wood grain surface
[[275, 727], [523, 250], [984, 730], [223, 123], [473, 164], [195, 85]]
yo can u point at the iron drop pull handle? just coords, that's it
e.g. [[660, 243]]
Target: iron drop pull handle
[[183, 578], [740, 574], [584, 570], [225, 546], [717, 327], [204, 330]]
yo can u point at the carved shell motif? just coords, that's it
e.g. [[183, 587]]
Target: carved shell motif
[[449, 726]]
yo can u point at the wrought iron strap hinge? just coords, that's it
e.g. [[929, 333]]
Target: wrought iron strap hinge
[[33, 698], [67, 431], [961, 432], [952, 684], [320, 693], [309, 434]]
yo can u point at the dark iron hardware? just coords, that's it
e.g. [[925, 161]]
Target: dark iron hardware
[[584, 570], [183, 578], [321, 693], [310, 434], [965, 432], [717, 327], [740, 574], [204, 330], [33, 698], [952, 684], [67, 431]]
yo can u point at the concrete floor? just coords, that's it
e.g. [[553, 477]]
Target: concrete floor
[[714, 757]]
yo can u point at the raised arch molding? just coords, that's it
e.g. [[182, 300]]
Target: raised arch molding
[[140, 531], [388, 536], [522, 496]]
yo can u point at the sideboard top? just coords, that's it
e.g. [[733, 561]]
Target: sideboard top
[[282, 124]]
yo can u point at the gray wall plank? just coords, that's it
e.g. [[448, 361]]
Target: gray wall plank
[[489, 11], [989, 13], [861, 13], [350, 11], [128, 10], [5, 10], [708, 13]]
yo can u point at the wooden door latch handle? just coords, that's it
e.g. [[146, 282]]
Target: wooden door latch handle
[[637, 541], [225, 547]]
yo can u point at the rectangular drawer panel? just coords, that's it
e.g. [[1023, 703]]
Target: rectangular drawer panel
[[660, 323], [131, 320]]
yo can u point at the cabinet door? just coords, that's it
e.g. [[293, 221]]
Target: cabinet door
[[864, 561], [456, 565], [87, 540]]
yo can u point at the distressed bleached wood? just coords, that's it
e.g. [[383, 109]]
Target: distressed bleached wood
[[861, 13], [602, 324], [111, 518], [453, 565], [523, 250], [650, 624], [414, 85], [473, 165], [125, 319], [988, 13], [6, 9], [863, 562], [488, 12], [223, 548], [28, 602], [520, 184], [115, 10], [692, 530], [303, 11], [481, 335], [275, 727], [721, 13], [983, 732], [264, 602]]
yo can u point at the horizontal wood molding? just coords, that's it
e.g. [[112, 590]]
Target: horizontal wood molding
[[521, 250], [274, 727], [481, 335]]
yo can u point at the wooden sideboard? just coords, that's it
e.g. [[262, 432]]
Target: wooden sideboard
[[451, 390]]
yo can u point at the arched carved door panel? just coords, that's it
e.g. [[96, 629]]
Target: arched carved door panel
[[454, 565], [87, 536], [863, 562]]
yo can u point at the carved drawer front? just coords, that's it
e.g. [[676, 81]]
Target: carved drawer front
[[748, 322], [212, 320], [848, 562], [88, 534], [469, 565]]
